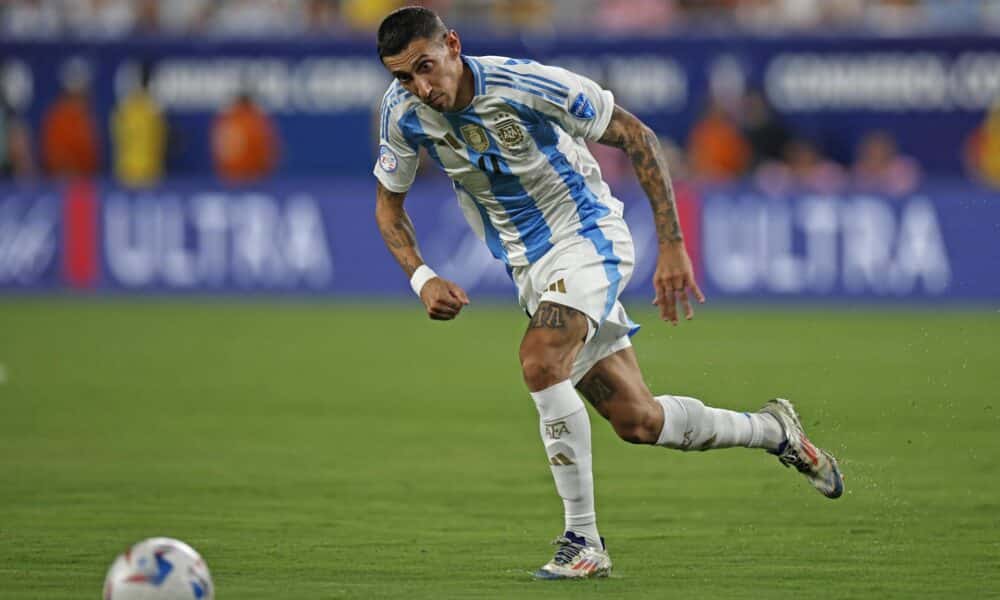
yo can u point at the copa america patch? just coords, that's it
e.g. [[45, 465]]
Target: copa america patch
[[387, 159]]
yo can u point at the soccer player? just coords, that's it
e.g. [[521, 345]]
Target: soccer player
[[510, 133]]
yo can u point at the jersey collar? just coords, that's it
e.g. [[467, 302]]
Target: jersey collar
[[479, 80]]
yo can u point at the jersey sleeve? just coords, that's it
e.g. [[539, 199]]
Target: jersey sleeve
[[581, 106], [396, 165]]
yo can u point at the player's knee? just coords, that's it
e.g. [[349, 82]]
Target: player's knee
[[544, 362], [635, 426], [541, 371], [632, 433]]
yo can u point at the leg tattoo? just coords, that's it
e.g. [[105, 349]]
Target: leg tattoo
[[596, 390], [549, 316]]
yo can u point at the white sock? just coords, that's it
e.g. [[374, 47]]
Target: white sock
[[690, 425], [565, 430]]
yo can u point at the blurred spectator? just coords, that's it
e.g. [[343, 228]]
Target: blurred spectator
[[139, 135], [765, 132], [69, 143], [522, 14], [991, 17], [982, 151], [15, 144], [179, 17], [645, 16], [258, 18], [322, 16], [147, 17], [101, 18], [953, 15], [367, 14], [33, 18], [894, 16], [717, 150], [797, 15], [878, 166], [244, 144], [804, 169]]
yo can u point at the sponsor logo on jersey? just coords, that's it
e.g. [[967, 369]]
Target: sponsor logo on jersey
[[509, 133], [387, 159], [475, 137], [582, 108]]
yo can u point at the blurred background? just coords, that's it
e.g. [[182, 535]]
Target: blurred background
[[837, 167], [820, 150]]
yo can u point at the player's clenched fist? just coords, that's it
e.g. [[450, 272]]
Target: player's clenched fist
[[443, 299]]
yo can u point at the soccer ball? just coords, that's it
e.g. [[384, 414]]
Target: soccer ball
[[159, 569]]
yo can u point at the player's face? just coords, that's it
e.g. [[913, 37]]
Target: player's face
[[430, 69]]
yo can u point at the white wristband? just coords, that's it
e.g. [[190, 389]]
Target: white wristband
[[421, 276]]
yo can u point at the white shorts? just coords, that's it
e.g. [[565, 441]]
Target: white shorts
[[586, 272]]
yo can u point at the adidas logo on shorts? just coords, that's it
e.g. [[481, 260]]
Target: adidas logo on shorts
[[559, 286]]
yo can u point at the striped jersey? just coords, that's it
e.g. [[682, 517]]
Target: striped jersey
[[516, 154]]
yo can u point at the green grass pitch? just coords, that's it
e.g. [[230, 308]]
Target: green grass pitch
[[314, 450]]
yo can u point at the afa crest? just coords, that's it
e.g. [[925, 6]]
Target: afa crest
[[475, 137], [510, 133]]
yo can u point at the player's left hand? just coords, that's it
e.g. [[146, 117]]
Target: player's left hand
[[673, 280]]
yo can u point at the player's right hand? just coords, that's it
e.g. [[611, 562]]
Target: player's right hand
[[443, 299]]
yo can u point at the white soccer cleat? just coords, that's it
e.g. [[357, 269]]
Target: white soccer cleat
[[576, 560], [818, 465]]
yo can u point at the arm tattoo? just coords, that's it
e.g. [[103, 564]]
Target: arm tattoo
[[397, 229], [639, 142], [549, 316], [596, 390], [399, 234]]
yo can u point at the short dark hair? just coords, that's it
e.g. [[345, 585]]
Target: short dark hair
[[406, 24]]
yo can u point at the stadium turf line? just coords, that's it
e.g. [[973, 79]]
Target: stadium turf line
[[314, 450]]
